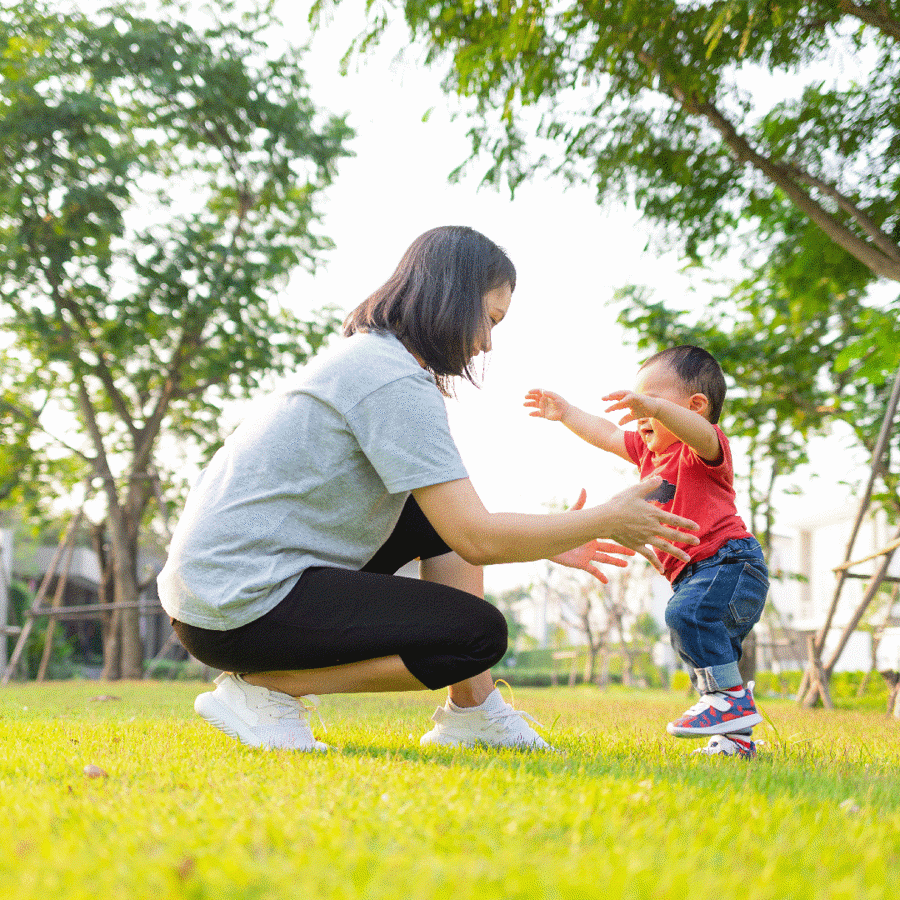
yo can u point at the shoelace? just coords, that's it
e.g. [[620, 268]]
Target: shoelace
[[284, 706], [310, 703], [503, 716]]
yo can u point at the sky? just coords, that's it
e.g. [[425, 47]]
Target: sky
[[570, 255]]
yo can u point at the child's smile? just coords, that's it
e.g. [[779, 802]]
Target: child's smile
[[655, 435], [658, 380]]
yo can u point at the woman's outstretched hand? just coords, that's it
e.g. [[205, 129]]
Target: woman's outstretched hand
[[588, 555], [637, 524]]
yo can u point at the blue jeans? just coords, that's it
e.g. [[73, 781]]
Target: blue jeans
[[716, 602]]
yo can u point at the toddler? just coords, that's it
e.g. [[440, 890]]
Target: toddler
[[719, 595]]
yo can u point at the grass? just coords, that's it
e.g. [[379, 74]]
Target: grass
[[622, 811]]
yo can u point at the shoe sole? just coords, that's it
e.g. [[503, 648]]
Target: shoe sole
[[731, 727], [208, 708]]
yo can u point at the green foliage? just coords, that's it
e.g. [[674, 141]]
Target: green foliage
[[185, 812], [535, 668], [505, 602], [849, 690], [710, 115], [161, 181]]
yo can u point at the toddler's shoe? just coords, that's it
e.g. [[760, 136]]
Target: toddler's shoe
[[495, 723], [257, 716], [729, 745], [717, 713]]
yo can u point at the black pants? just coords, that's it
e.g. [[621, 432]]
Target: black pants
[[334, 616]]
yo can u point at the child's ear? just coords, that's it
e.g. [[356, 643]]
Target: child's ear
[[699, 403]]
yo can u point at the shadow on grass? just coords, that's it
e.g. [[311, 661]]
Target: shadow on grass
[[799, 774]]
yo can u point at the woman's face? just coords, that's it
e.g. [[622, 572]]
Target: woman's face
[[496, 305]]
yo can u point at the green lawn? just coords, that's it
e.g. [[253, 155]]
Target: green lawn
[[622, 811]]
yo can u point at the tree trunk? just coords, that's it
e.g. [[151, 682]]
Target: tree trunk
[[603, 671], [813, 692], [110, 632], [112, 647], [590, 663], [130, 650]]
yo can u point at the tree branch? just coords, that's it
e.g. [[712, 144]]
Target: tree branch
[[873, 257], [62, 302], [879, 238], [877, 15], [100, 463], [34, 419]]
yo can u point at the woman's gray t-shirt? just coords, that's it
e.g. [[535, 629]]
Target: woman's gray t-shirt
[[316, 475]]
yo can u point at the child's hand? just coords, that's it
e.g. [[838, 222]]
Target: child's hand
[[639, 406], [546, 404]]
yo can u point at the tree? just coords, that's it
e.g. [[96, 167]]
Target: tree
[[161, 180], [507, 602]]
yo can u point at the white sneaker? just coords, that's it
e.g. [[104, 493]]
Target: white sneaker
[[729, 745], [257, 716], [494, 723]]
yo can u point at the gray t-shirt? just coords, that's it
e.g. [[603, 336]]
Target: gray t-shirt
[[316, 475]]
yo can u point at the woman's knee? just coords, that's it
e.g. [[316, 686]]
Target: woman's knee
[[491, 636]]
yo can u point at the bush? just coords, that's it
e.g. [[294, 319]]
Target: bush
[[534, 668], [175, 670]]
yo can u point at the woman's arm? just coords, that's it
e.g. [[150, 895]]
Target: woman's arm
[[483, 538]]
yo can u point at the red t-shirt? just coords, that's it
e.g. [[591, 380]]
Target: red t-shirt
[[702, 492]]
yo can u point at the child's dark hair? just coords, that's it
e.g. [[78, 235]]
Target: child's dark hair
[[434, 300], [698, 371]]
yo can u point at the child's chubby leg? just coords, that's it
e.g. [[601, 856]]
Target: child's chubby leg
[[710, 612]]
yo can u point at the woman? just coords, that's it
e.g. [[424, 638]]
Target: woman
[[281, 570]]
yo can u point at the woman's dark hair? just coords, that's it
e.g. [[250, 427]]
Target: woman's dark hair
[[434, 300], [699, 373]]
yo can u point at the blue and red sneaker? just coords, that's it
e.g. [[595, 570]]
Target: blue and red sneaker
[[717, 713]]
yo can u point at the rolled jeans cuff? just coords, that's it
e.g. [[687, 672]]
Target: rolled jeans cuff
[[717, 678]]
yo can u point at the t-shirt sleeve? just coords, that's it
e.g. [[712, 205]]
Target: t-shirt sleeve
[[633, 446], [403, 430], [723, 471]]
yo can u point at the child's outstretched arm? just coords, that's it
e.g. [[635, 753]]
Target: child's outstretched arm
[[593, 429], [688, 426]]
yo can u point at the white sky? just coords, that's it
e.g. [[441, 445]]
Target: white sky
[[569, 253]]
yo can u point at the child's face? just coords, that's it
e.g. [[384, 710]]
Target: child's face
[[660, 380]]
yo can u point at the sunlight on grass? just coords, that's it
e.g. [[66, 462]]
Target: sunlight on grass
[[622, 810]]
